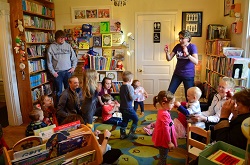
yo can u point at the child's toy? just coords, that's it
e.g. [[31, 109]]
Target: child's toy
[[19, 25], [119, 65]]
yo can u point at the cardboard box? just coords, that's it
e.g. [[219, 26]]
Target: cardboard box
[[219, 146]]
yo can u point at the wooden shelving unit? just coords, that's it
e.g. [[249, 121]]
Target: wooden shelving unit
[[38, 22]]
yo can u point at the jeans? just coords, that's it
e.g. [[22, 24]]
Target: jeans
[[61, 80], [114, 120], [128, 114], [141, 103], [177, 80]]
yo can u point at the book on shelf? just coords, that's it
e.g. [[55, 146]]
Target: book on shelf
[[84, 158], [70, 144], [46, 132], [223, 157], [35, 159], [55, 161], [68, 127], [23, 154]]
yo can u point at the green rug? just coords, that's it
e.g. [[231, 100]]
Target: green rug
[[142, 151]]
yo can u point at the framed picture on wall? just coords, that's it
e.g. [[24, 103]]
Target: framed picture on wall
[[192, 21], [227, 6], [91, 13]]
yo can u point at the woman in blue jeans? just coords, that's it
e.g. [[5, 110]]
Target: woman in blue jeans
[[187, 57]]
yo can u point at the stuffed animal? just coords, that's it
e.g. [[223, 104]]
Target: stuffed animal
[[19, 25]]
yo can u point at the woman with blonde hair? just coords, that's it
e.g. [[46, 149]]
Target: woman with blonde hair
[[90, 89]]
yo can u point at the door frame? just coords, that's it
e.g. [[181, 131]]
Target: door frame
[[133, 60]]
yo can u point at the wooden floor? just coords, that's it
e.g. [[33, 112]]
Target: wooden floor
[[12, 134]]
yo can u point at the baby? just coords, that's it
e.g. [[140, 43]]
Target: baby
[[36, 116]]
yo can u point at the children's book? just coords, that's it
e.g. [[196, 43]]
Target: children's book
[[225, 158], [44, 155], [46, 132], [29, 152], [84, 158], [52, 143], [56, 161], [68, 127], [69, 145]]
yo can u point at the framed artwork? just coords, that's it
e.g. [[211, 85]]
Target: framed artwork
[[116, 39], [192, 21], [91, 13], [227, 6], [106, 40]]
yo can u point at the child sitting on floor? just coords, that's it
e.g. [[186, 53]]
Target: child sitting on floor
[[36, 116], [108, 109], [49, 111]]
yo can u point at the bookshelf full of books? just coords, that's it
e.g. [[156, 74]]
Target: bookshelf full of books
[[219, 65], [32, 28]]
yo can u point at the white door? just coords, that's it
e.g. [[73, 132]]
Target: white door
[[153, 70]]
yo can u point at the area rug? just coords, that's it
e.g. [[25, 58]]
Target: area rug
[[142, 151]]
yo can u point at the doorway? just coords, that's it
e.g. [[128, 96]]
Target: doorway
[[151, 66]]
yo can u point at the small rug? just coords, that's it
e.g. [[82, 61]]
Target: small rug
[[142, 151]]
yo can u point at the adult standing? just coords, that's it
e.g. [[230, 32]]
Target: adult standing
[[69, 102], [187, 57], [61, 61]]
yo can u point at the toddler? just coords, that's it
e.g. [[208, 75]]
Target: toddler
[[49, 111], [36, 116], [127, 96], [142, 94], [193, 106], [164, 136], [108, 109]]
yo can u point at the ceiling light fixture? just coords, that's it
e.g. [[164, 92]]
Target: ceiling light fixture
[[119, 2]]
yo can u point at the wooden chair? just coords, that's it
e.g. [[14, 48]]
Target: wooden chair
[[194, 147]]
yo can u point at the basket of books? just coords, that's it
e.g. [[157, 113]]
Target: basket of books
[[222, 153]]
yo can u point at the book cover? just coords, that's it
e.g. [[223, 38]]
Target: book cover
[[85, 158], [46, 132], [83, 42], [44, 155], [107, 53], [115, 25], [56, 161], [29, 152], [97, 41], [116, 39], [222, 157], [69, 145], [112, 75], [104, 27], [68, 127], [52, 143]]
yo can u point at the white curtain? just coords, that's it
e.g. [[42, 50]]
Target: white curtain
[[8, 67]]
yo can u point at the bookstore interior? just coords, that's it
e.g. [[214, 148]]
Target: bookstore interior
[[100, 46]]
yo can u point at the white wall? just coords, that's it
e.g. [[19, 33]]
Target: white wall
[[213, 13]]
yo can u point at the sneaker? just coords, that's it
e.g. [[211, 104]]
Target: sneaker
[[94, 118], [148, 131], [133, 135]]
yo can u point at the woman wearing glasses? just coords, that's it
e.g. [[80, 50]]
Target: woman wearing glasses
[[187, 57]]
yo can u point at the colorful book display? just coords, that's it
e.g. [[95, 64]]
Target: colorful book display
[[78, 147]]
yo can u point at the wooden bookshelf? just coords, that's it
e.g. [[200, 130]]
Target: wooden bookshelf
[[38, 20], [92, 144], [218, 65]]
